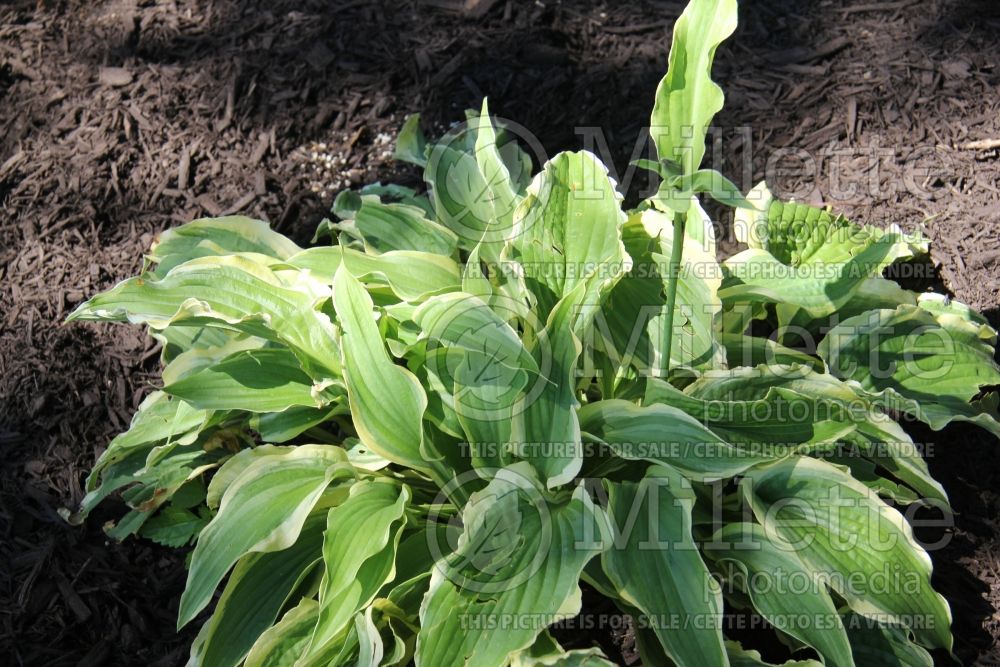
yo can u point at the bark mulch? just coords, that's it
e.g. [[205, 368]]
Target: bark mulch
[[121, 118]]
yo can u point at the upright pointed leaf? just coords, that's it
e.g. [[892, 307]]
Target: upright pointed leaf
[[387, 401], [687, 99], [655, 566]]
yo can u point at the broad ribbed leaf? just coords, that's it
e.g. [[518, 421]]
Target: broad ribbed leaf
[[545, 429], [877, 436], [520, 556], [411, 275], [636, 307], [471, 186], [482, 363], [264, 380], [664, 434], [687, 99], [569, 231], [655, 566], [387, 401], [388, 227], [255, 594], [230, 292], [842, 530], [878, 645], [359, 549], [546, 652], [209, 237], [411, 145], [741, 657], [262, 510], [784, 590], [929, 365], [804, 257], [283, 643], [781, 419]]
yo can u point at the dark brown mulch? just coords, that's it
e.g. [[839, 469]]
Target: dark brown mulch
[[121, 118]]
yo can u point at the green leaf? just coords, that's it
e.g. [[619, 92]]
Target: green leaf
[[783, 589], [262, 510], [782, 420], [545, 428], [483, 365], [664, 434], [805, 257], [471, 186], [687, 99], [233, 293], [255, 593], [756, 351], [675, 194], [635, 310], [279, 427], [740, 657], [283, 643], [546, 652], [173, 527], [411, 275], [263, 380], [210, 237], [930, 365], [842, 530], [159, 419], [809, 396], [359, 549], [387, 401], [655, 566], [519, 558], [388, 227], [879, 645], [569, 231], [411, 145]]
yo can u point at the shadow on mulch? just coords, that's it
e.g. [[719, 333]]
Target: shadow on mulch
[[119, 119]]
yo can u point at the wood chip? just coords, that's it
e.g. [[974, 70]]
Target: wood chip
[[116, 77]]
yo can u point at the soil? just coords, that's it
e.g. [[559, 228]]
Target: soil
[[121, 118]]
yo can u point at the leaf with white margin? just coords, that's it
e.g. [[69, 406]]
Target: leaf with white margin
[[655, 566], [686, 98], [842, 530], [664, 434], [262, 510], [520, 556], [260, 380], [359, 549], [387, 401], [546, 652], [385, 227], [878, 645], [783, 589], [411, 275], [741, 657], [283, 643], [207, 237], [259, 587], [879, 437], [545, 429], [569, 232], [805, 257], [931, 365], [230, 292]]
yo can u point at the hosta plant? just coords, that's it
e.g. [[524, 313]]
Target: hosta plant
[[413, 444]]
